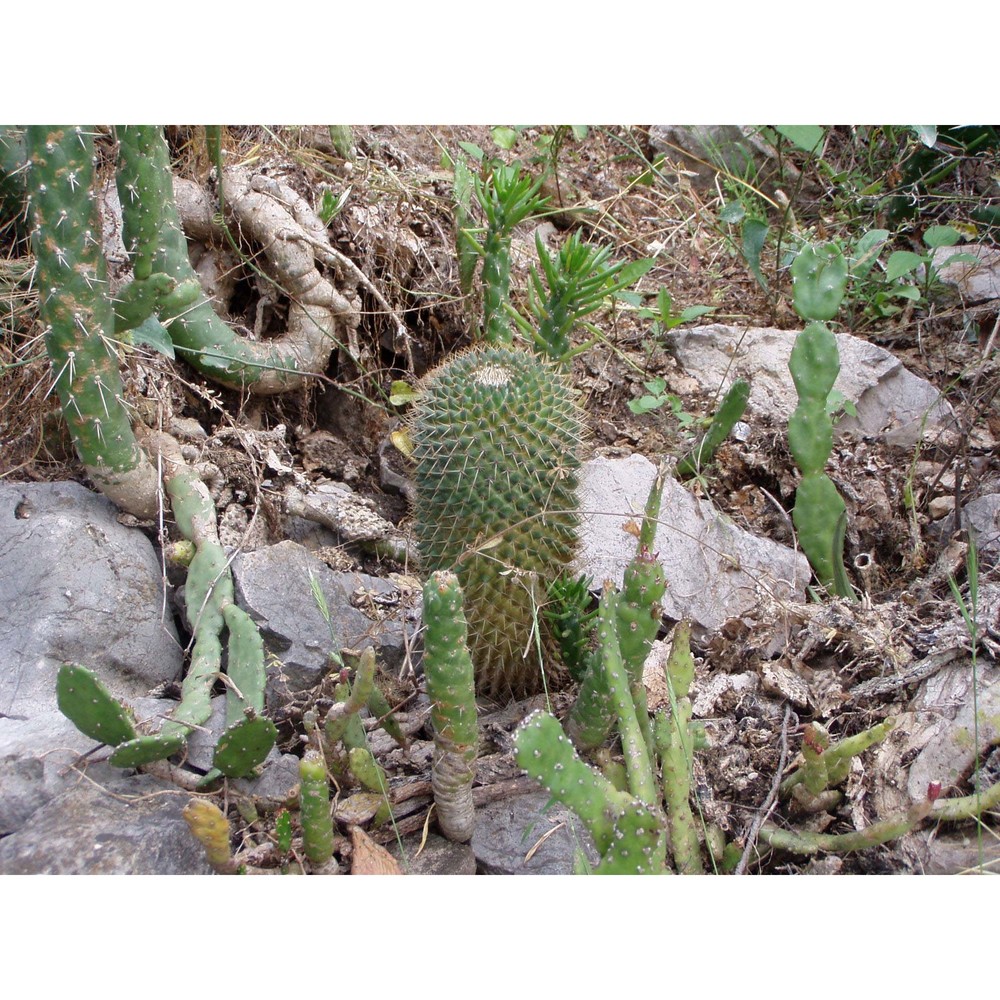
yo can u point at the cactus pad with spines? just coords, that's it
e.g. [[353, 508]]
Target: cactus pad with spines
[[86, 703], [244, 745], [495, 434]]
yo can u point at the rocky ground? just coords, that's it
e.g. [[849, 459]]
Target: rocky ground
[[311, 491]]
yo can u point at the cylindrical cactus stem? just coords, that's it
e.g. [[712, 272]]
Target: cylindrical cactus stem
[[342, 721], [808, 842], [451, 689], [197, 332], [592, 716], [496, 288], [314, 809], [77, 313], [675, 742], [496, 435], [639, 615], [209, 825], [638, 761]]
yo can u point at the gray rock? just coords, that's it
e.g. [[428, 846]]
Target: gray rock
[[273, 585], [949, 753], [112, 825], [507, 830], [982, 515], [75, 585], [715, 571], [438, 857], [890, 400], [706, 149], [976, 281]]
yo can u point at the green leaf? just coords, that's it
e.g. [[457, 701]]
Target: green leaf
[[927, 134], [806, 137], [401, 393], [154, 334], [693, 312], [473, 150], [866, 251], [579, 132], [941, 236], [645, 403], [633, 271], [754, 234], [733, 212], [504, 137], [900, 263]]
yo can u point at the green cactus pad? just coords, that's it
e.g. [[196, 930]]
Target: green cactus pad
[[146, 749], [243, 746], [245, 666], [86, 703], [817, 511], [495, 436], [639, 844], [819, 277], [546, 754]]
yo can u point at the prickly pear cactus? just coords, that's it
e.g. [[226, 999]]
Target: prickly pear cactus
[[495, 437]]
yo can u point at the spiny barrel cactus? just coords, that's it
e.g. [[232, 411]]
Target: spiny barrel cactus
[[495, 436]]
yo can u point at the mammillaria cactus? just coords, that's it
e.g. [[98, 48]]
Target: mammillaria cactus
[[495, 435]]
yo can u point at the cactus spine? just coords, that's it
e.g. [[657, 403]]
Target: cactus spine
[[495, 436], [450, 687]]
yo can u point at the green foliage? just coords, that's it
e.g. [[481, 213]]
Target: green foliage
[[577, 282], [665, 319], [656, 396], [495, 436], [507, 198], [451, 690]]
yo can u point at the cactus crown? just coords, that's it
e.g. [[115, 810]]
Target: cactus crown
[[496, 433]]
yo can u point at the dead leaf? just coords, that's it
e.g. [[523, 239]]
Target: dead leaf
[[369, 858]]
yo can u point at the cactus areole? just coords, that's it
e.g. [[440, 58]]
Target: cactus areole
[[496, 435]]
